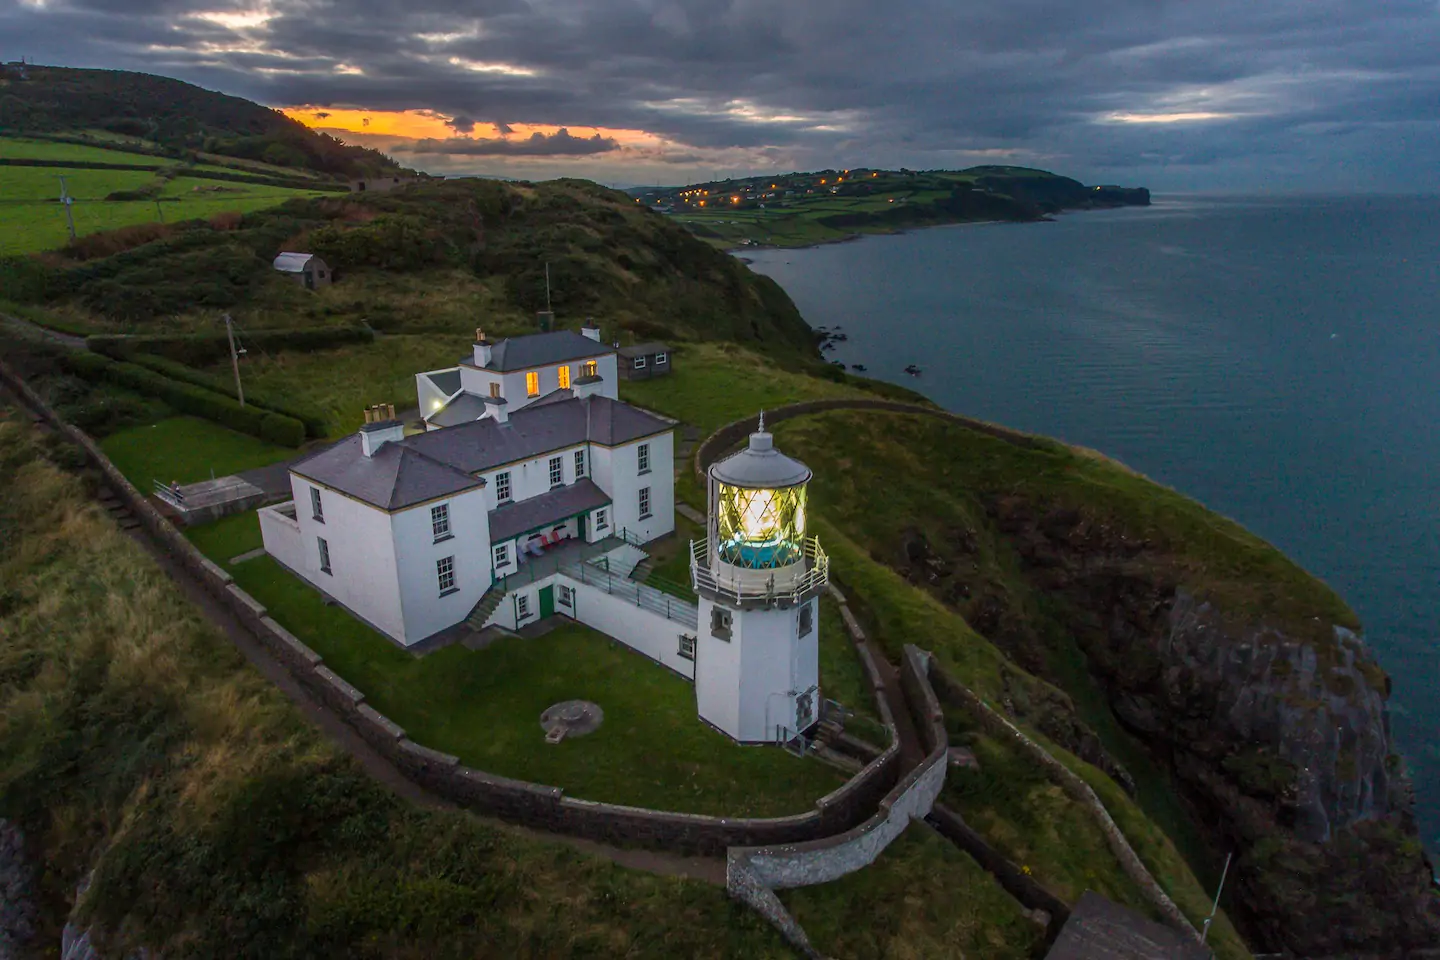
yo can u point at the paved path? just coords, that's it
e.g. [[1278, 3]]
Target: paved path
[[54, 336]]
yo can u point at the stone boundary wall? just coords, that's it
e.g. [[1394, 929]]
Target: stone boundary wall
[[753, 874], [532, 804], [1077, 789], [732, 433]]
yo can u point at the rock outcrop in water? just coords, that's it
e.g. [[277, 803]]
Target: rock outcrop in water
[[1281, 742]]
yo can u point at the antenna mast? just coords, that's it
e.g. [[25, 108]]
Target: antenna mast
[[1205, 930], [234, 359], [547, 286], [69, 217]]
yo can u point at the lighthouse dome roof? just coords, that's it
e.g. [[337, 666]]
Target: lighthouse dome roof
[[760, 466]]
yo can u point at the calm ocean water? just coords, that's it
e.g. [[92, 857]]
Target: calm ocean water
[[1278, 360]]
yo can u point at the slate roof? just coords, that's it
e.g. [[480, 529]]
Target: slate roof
[[292, 262], [644, 349], [462, 409], [1101, 930], [536, 513], [395, 477], [435, 464], [446, 381], [539, 349]]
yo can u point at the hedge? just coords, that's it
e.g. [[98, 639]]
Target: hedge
[[188, 398], [200, 349], [315, 425]]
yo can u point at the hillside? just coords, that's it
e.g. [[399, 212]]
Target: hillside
[[798, 209], [176, 117]]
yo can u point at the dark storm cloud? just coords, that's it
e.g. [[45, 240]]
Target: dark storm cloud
[[1079, 86], [558, 144]]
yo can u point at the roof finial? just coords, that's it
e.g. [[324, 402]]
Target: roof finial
[[762, 421]]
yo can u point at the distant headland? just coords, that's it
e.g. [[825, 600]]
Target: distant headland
[[827, 206]]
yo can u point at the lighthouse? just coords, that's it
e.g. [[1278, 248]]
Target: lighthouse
[[759, 579]]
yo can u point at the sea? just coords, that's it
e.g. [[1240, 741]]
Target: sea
[[1277, 359]]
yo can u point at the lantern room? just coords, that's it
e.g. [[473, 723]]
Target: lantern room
[[757, 548]]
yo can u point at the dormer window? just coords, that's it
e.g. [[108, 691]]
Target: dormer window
[[564, 372], [591, 368], [495, 389], [532, 384]]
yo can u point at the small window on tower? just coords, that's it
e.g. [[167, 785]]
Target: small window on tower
[[807, 619], [720, 623], [565, 377], [532, 384]]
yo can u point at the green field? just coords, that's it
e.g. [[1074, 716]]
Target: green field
[[24, 148], [186, 449]]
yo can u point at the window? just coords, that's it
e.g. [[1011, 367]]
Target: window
[[565, 595], [591, 368], [316, 510], [600, 523], [557, 471], [639, 363], [807, 619], [644, 502], [502, 487], [502, 555], [532, 384], [495, 388], [445, 573], [522, 606], [642, 456], [661, 360], [579, 464], [564, 373], [440, 522], [324, 555], [720, 623], [687, 647]]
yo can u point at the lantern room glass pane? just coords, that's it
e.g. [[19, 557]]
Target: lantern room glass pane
[[760, 529]]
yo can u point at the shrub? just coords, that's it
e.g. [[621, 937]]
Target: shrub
[[314, 423], [200, 349], [110, 242], [282, 430]]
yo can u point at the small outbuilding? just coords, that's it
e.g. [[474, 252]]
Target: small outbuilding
[[643, 361], [306, 268]]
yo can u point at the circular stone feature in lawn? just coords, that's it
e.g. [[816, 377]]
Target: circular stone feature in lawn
[[571, 718]]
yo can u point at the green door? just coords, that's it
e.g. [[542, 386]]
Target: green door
[[547, 601]]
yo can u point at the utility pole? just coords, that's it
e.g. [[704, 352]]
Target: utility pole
[[234, 359], [69, 217], [547, 287], [1205, 930], [159, 212]]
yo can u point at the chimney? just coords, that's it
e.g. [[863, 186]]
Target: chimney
[[380, 428], [498, 409], [482, 348], [590, 329], [587, 386]]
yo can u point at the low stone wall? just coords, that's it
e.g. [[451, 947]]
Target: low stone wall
[[953, 691], [537, 805], [733, 433], [754, 874]]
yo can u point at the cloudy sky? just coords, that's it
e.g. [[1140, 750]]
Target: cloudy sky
[[1179, 95]]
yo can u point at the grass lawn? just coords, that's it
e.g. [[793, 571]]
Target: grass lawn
[[186, 449], [921, 898], [23, 148], [484, 706]]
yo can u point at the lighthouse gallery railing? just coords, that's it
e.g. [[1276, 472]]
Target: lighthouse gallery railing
[[816, 575]]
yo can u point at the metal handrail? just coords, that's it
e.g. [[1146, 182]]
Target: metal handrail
[[817, 575], [643, 596]]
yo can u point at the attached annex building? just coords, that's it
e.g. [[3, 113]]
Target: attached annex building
[[541, 505]]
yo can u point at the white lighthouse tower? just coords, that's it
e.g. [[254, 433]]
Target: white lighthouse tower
[[757, 653]]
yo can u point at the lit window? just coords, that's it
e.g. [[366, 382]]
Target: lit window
[[316, 510], [522, 607], [579, 464], [495, 389], [502, 555], [687, 647], [564, 377], [591, 368], [324, 555], [532, 384], [502, 487], [557, 471], [445, 574], [600, 523], [660, 360], [642, 456], [440, 521], [644, 502]]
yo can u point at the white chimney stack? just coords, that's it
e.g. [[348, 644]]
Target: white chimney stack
[[587, 386], [498, 409], [590, 329], [482, 348], [380, 428]]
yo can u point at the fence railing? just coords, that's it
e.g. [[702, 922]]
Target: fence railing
[[752, 585], [169, 494], [645, 597]]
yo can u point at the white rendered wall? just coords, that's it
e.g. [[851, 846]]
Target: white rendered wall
[[531, 478], [621, 465], [642, 630], [282, 537], [363, 576], [749, 686], [424, 610], [717, 674], [475, 380]]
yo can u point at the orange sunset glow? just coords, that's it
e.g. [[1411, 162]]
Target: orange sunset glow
[[417, 125]]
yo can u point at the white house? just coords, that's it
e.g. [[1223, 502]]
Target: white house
[[514, 373]]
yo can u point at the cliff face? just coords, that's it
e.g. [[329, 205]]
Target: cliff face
[[1281, 742]]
